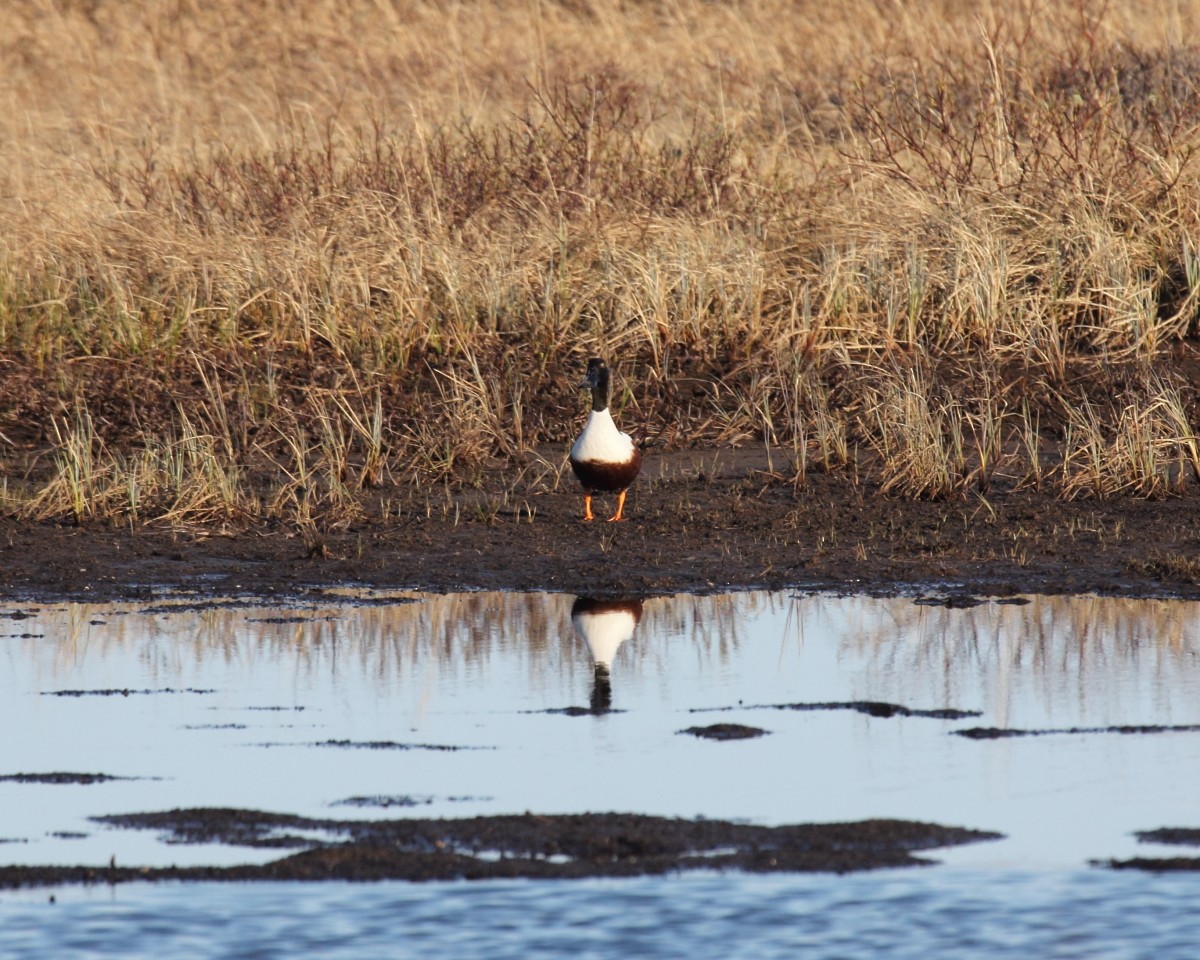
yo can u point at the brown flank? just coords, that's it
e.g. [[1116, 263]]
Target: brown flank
[[600, 477]]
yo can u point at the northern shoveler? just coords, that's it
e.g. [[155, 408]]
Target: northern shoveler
[[604, 459]]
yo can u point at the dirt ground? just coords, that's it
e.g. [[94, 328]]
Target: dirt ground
[[700, 522]]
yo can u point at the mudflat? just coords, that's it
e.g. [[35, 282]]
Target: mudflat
[[698, 521]]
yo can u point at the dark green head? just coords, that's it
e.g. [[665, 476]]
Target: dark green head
[[597, 381]]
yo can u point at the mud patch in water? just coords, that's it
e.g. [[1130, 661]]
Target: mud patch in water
[[1179, 836], [1171, 836], [1002, 733], [872, 708], [119, 692], [60, 778], [1153, 864], [402, 800], [571, 846], [726, 731], [375, 745]]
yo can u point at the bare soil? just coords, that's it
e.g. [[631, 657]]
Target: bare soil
[[697, 522]]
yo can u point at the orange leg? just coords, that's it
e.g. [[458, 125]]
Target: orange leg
[[587, 508], [620, 506]]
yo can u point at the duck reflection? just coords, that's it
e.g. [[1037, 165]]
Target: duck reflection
[[604, 625]]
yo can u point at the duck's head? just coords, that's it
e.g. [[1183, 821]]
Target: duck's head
[[597, 381]]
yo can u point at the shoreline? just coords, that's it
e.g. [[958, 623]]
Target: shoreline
[[690, 534]]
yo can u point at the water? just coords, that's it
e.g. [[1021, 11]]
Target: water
[[896, 914], [264, 685]]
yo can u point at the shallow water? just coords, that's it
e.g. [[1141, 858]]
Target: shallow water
[[918, 914], [264, 688]]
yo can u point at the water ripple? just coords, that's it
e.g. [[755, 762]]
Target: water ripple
[[926, 915]]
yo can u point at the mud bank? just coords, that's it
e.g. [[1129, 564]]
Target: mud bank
[[546, 847], [707, 523]]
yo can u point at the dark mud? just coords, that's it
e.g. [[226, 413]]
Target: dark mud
[[383, 803], [872, 708], [120, 692], [1000, 733], [1153, 864], [547, 847], [701, 522], [726, 731], [61, 778], [1180, 836], [375, 745]]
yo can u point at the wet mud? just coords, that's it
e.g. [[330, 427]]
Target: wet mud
[[1000, 733], [726, 731], [120, 692], [1180, 836], [1153, 864], [546, 847], [697, 522], [62, 778], [376, 745], [872, 708], [383, 803]]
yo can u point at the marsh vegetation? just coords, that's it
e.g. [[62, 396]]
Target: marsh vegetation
[[327, 261]]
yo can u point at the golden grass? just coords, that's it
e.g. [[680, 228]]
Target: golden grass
[[262, 259]]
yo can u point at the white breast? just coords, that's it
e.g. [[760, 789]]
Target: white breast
[[601, 441], [604, 632]]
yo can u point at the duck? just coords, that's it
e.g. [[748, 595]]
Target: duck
[[604, 459]]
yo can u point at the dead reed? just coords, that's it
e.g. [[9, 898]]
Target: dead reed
[[262, 261]]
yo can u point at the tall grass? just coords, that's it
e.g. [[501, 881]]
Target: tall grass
[[367, 245]]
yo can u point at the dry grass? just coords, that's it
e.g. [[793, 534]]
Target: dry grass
[[283, 260], [1144, 447]]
